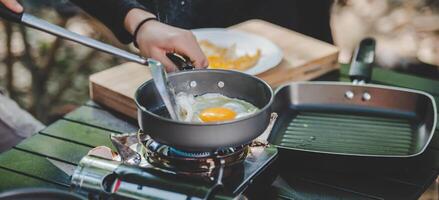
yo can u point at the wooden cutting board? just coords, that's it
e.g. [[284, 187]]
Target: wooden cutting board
[[304, 58]]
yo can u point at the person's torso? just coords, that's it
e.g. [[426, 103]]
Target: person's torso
[[308, 17], [201, 13]]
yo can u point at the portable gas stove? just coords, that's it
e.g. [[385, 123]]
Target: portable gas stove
[[169, 173]]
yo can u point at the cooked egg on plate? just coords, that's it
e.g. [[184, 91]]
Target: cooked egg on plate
[[211, 108], [238, 50], [227, 58]]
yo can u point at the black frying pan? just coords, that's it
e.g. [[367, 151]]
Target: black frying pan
[[354, 119], [211, 136], [187, 136]]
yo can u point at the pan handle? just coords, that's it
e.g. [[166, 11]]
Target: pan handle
[[42, 25], [181, 61], [9, 15], [361, 66]]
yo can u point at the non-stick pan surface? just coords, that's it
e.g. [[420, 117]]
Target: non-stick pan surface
[[320, 117]]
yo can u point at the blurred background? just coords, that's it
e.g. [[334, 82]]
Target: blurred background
[[48, 76], [407, 32]]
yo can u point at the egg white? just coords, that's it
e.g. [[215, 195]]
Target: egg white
[[189, 107]]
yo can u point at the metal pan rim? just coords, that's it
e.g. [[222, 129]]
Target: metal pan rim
[[261, 110], [350, 154]]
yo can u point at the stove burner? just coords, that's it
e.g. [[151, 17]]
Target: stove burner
[[180, 153], [205, 164], [197, 154]]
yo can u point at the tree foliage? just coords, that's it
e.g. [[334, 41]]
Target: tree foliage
[[46, 75]]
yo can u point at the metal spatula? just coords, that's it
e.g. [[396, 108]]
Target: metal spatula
[[165, 90]]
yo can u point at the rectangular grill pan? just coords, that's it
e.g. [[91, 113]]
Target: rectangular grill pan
[[352, 124], [319, 117]]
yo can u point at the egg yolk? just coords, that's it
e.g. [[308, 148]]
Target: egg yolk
[[217, 114]]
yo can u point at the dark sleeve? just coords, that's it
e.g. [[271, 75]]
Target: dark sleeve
[[111, 13]]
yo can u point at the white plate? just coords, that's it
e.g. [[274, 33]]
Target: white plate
[[246, 43]]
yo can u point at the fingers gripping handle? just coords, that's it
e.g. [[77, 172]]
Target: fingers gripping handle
[[9, 15], [181, 61]]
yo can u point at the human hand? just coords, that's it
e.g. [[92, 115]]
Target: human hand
[[12, 5], [155, 39]]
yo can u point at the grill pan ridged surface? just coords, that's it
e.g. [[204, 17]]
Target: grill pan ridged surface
[[347, 133]]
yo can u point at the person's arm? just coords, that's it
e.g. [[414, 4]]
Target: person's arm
[[112, 14], [154, 38]]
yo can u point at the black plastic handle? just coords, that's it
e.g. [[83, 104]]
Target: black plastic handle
[[9, 15], [364, 57], [182, 62]]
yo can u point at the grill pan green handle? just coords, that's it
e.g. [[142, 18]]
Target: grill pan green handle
[[361, 65]]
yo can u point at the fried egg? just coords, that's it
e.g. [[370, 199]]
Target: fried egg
[[227, 57], [211, 108]]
